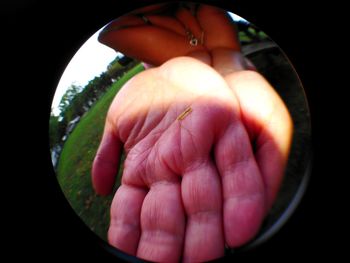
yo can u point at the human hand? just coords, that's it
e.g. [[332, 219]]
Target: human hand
[[192, 184], [155, 35]]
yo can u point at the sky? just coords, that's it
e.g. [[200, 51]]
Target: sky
[[90, 60]]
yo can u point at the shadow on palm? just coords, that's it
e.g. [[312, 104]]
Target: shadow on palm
[[205, 158]]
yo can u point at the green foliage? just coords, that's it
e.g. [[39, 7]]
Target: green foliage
[[69, 95], [56, 130], [115, 70], [119, 66], [77, 100], [73, 171], [248, 34], [114, 61]]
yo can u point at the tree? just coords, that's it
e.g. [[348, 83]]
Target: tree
[[68, 97], [56, 131]]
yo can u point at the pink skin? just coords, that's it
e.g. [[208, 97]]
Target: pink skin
[[195, 182], [192, 185]]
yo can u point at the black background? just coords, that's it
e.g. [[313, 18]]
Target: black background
[[41, 37]]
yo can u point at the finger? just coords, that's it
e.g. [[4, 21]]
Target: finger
[[124, 231], [106, 163], [269, 125], [219, 29], [145, 42], [189, 22], [167, 22], [201, 195], [122, 22], [162, 223], [242, 186]]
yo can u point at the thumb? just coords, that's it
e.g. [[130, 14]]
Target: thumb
[[226, 61], [106, 163]]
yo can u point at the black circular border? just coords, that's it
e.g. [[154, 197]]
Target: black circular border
[[47, 34]]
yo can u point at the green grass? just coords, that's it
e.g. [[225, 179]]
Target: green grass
[[73, 172]]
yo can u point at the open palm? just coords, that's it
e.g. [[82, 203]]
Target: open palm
[[204, 160]]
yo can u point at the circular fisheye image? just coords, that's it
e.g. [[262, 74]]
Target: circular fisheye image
[[181, 132]]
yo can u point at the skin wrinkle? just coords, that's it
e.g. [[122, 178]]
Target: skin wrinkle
[[206, 110], [154, 221], [179, 127], [235, 127], [158, 139], [122, 224], [165, 163], [128, 106], [114, 215], [112, 238], [179, 83], [183, 129], [146, 162], [235, 168], [195, 195], [153, 250], [156, 163], [151, 168], [140, 167], [160, 232], [143, 131], [195, 164], [143, 139], [140, 130], [235, 165], [135, 180], [205, 214], [246, 197]]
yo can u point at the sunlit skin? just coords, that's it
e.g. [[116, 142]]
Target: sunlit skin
[[206, 144]]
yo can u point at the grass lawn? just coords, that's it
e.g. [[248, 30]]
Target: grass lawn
[[73, 172]]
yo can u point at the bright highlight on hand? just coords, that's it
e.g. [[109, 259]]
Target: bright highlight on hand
[[196, 181]]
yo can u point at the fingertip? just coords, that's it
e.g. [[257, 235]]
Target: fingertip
[[124, 230], [242, 219]]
